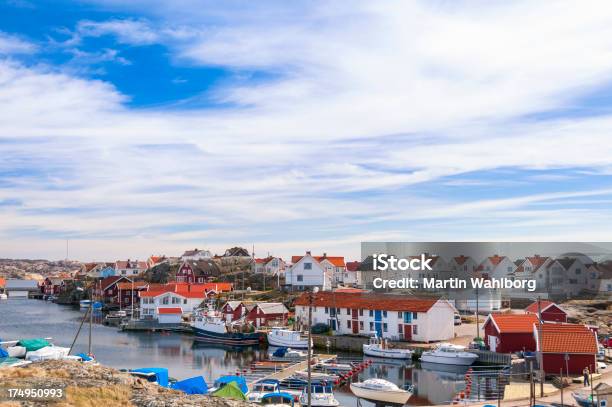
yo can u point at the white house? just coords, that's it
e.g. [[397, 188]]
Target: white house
[[396, 317], [496, 267], [463, 267], [534, 268], [196, 254], [152, 301], [130, 267], [269, 265], [310, 271]]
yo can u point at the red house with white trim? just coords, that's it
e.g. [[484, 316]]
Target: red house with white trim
[[550, 311], [507, 333], [265, 312], [574, 342]]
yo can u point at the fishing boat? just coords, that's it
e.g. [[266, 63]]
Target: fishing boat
[[320, 396], [287, 338], [211, 327], [379, 348], [449, 354], [585, 400], [278, 399], [262, 388], [380, 390]]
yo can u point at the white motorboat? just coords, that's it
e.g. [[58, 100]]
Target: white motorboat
[[287, 338], [380, 390], [3, 296], [85, 303], [320, 396], [379, 348], [449, 354], [262, 388], [47, 353], [318, 376]]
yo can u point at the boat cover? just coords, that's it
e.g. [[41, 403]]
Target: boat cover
[[84, 357], [230, 391], [48, 353], [3, 353], [16, 351], [281, 395], [33, 344], [239, 380], [280, 352], [193, 385], [161, 374]]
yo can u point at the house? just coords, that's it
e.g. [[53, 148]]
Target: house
[[352, 275], [396, 317], [127, 292], [534, 268], [496, 267], [470, 300], [197, 271], [549, 310], [196, 255], [508, 333], [52, 286], [20, 288], [130, 268], [265, 313], [604, 285], [234, 310], [308, 272], [570, 347], [567, 277], [237, 252], [153, 261], [270, 265], [107, 290], [173, 295], [463, 267], [169, 315]]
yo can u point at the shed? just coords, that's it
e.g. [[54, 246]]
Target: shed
[[549, 310], [570, 347], [507, 333], [21, 288]]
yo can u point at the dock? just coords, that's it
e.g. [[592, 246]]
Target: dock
[[290, 370]]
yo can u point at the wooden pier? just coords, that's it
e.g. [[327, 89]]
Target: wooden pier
[[292, 369]]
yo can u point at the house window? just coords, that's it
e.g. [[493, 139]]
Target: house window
[[509, 269], [360, 312], [165, 300], [578, 271], [123, 272], [573, 281], [361, 325], [185, 301], [400, 315], [371, 313], [348, 311], [326, 310], [385, 328], [300, 277], [400, 329], [371, 326], [307, 266], [384, 314], [415, 315], [348, 324], [415, 330], [337, 310]]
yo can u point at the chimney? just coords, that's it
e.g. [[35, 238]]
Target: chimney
[[307, 252], [324, 254]]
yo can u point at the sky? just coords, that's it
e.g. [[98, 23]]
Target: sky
[[151, 127]]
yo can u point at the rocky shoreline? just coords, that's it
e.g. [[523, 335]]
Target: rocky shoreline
[[95, 386]]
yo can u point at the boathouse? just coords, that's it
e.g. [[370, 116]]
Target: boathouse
[[570, 347], [550, 311], [396, 317], [507, 333], [21, 288], [267, 313]]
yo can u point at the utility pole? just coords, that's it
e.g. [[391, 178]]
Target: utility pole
[[561, 375], [540, 353], [477, 328], [91, 303], [310, 301]]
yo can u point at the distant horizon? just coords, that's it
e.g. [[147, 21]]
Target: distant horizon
[[141, 127]]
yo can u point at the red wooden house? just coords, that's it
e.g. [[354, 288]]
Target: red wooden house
[[570, 347], [52, 286], [234, 310], [550, 311], [128, 291], [264, 313], [199, 271], [107, 290], [507, 333]]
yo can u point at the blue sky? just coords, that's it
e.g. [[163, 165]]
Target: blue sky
[[133, 128]]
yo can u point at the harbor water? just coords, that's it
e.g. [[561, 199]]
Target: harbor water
[[22, 318]]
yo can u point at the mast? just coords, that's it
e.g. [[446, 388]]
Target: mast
[[91, 301]]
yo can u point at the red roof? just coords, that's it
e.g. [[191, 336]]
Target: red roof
[[337, 261], [568, 338], [537, 261], [109, 281], [384, 302], [138, 285], [349, 290], [461, 259], [2, 282], [513, 323], [495, 260], [170, 310], [352, 265], [544, 304]]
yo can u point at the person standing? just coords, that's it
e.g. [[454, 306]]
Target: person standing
[[585, 374]]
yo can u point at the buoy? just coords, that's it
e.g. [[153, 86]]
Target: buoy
[[462, 395]]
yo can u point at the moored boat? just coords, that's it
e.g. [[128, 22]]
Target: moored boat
[[320, 396], [585, 400], [287, 338], [449, 354], [380, 348], [212, 328], [380, 390], [262, 388], [278, 399]]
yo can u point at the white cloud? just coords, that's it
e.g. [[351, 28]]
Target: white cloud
[[371, 108], [10, 44]]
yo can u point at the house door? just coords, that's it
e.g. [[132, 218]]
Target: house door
[[408, 332], [354, 312], [492, 343], [378, 323], [355, 327]]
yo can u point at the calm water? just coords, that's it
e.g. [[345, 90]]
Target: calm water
[[35, 318]]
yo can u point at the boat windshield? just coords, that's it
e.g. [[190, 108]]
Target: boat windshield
[[267, 388]]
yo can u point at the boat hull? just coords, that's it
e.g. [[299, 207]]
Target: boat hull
[[274, 340], [376, 352], [399, 397], [231, 338], [448, 360]]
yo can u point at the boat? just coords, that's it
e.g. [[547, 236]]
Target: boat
[[262, 388], [211, 327], [84, 303], [3, 296], [47, 353], [379, 348], [449, 354], [585, 400], [380, 390], [278, 399], [158, 375], [318, 376], [287, 338], [287, 353], [321, 395]]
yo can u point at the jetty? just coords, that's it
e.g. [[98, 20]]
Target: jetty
[[288, 370]]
